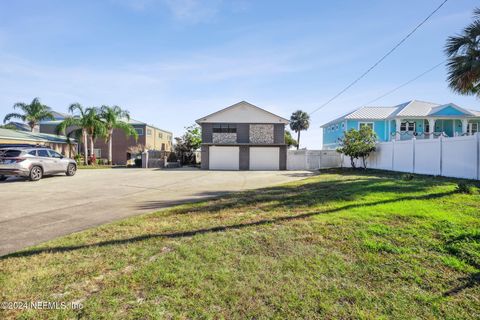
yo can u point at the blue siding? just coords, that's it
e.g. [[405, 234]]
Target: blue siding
[[332, 133], [448, 111], [379, 126]]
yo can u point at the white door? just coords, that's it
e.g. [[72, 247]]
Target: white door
[[224, 158], [264, 158]]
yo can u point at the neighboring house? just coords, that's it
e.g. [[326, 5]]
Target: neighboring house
[[420, 119], [149, 136], [243, 137], [21, 126], [9, 137]]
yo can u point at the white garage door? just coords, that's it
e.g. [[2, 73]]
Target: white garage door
[[224, 158], [264, 158]]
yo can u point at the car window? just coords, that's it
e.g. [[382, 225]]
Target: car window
[[43, 153], [33, 153], [55, 154], [10, 153]]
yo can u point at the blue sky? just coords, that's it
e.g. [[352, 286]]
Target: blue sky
[[170, 62]]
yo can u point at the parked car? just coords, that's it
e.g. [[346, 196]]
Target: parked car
[[33, 163]]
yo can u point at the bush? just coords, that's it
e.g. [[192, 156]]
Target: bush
[[78, 159], [172, 157], [465, 188], [138, 162], [407, 177]]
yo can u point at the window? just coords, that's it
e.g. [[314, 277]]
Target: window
[[426, 125], [33, 153], [160, 135], [407, 126], [139, 131], [43, 153], [98, 153], [365, 124], [472, 128], [343, 125], [163, 146], [55, 154], [149, 132], [336, 126], [224, 128], [11, 153]]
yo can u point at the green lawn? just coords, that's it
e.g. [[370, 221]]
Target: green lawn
[[342, 244]]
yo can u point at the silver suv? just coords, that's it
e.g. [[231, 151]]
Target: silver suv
[[34, 163]]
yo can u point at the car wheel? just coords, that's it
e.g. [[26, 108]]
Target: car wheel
[[36, 173], [71, 170], [3, 178]]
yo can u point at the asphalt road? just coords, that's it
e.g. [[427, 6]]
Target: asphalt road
[[34, 212]]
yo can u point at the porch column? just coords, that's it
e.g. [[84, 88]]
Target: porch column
[[464, 126], [398, 122], [431, 125]]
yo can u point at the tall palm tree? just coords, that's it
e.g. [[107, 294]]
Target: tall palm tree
[[113, 118], [84, 123], [33, 113], [463, 64], [299, 121]]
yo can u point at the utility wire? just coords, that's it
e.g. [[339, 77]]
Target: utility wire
[[407, 83], [381, 59]]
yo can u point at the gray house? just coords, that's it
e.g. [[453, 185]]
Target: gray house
[[243, 137]]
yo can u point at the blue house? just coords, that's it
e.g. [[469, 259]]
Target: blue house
[[419, 119]]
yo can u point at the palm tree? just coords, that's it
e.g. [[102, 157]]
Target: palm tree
[[86, 123], [33, 113], [113, 118], [463, 64], [299, 121]]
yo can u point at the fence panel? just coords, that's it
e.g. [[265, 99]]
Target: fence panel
[[459, 157], [312, 159], [403, 156], [427, 156]]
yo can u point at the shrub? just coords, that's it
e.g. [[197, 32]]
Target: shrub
[[78, 158], [466, 188], [138, 162], [407, 177]]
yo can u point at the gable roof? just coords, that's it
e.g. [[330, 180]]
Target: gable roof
[[10, 134], [242, 112]]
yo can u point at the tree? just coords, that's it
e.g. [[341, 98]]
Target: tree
[[358, 144], [463, 64], [289, 139], [113, 118], [32, 114], [187, 144], [86, 123], [299, 121]]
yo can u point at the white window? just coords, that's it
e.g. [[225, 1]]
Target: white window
[[365, 124], [98, 153], [139, 131], [336, 126], [472, 128], [343, 125], [160, 135], [407, 126], [149, 132]]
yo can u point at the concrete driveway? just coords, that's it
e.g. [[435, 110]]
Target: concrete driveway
[[34, 212]]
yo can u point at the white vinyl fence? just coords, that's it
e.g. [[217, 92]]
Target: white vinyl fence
[[457, 157], [312, 159]]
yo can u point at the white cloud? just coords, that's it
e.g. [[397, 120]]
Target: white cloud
[[194, 11]]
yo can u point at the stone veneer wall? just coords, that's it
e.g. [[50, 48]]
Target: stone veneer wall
[[261, 133], [224, 137]]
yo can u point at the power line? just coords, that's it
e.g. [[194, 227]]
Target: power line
[[381, 59], [407, 83]]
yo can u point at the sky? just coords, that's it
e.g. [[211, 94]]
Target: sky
[[170, 62]]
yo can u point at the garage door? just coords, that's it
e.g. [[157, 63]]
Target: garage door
[[223, 158], [264, 158]]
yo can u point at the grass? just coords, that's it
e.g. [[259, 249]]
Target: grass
[[343, 244], [99, 166]]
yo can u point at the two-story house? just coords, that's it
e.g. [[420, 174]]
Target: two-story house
[[419, 119], [243, 137]]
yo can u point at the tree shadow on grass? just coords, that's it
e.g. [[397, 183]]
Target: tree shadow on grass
[[223, 228]]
